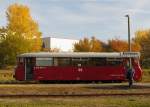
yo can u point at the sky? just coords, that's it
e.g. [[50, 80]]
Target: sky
[[77, 19]]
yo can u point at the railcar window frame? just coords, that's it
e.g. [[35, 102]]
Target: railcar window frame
[[62, 61], [48, 61], [80, 61], [114, 61], [97, 61], [20, 59]]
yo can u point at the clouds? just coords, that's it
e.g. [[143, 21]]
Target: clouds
[[77, 18], [139, 7]]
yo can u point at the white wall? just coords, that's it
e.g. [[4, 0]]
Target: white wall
[[46, 41], [63, 44]]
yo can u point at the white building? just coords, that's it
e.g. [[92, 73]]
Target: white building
[[63, 44]]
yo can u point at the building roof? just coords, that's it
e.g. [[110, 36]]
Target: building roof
[[82, 54]]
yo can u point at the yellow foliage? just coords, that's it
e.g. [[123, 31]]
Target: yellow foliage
[[122, 45], [88, 45], [51, 50], [21, 22], [142, 37]]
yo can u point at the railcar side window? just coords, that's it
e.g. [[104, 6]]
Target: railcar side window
[[80, 62], [44, 61], [97, 61], [114, 61], [63, 61]]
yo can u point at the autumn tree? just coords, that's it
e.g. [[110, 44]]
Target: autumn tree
[[11, 45], [118, 45], [21, 23], [88, 45], [142, 37], [51, 50], [19, 36], [2, 52]]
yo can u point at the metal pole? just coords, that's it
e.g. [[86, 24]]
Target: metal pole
[[129, 40], [129, 37], [130, 79]]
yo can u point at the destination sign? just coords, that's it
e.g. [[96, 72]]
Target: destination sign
[[130, 54]]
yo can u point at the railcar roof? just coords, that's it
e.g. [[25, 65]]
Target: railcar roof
[[81, 54]]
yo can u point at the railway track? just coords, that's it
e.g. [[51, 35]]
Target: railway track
[[71, 95]]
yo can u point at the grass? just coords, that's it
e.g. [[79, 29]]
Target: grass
[[6, 74], [140, 101], [71, 89], [146, 75]]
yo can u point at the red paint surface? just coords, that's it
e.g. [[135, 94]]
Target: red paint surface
[[138, 72], [79, 73], [20, 72]]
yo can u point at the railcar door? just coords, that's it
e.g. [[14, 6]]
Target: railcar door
[[29, 65]]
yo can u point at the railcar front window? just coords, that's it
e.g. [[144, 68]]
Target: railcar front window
[[19, 60], [44, 61], [136, 61]]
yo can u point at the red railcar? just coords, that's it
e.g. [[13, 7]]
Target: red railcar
[[77, 66]]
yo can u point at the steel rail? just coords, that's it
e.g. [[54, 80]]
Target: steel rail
[[71, 95]]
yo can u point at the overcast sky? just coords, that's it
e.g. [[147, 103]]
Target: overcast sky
[[76, 19]]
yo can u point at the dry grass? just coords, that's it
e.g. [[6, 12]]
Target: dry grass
[[72, 88], [146, 75], [6, 75], [140, 101]]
